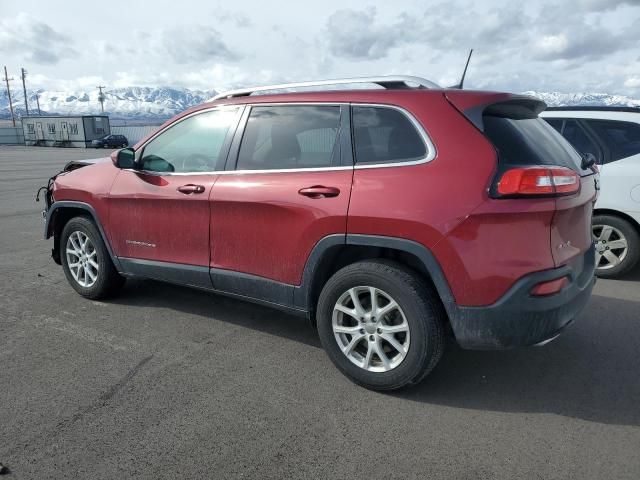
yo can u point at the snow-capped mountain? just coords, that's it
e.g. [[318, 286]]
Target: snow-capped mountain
[[127, 103], [160, 103], [556, 99]]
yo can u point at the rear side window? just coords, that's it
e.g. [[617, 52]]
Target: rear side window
[[530, 141], [621, 138], [383, 135], [577, 137], [289, 137]]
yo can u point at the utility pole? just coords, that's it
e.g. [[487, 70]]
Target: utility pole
[[101, 96], [23, 75], [38, 102], [7, 79]]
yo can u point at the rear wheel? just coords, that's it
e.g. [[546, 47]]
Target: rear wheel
[[381, 324], [617, 246], [86, 261]]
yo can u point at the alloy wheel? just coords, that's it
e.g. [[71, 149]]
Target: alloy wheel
[[82, 259], [371, 329], [611, 246]]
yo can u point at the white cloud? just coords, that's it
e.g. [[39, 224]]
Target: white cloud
[[38, 42]]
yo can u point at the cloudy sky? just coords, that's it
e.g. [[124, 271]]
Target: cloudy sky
[[546, 45]]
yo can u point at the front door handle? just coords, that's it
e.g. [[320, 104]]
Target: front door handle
[[189, 189], [319, 191]]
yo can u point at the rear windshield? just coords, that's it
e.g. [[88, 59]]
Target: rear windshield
[[530, 141]]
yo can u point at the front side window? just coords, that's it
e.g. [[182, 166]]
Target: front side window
[[621, 138], [383, 135], [191, 145], [289, 137]]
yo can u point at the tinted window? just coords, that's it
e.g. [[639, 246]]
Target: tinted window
[[385, 135], [622, 138], [577, 137], [289, 137], [191, 145], [529, 141], [556, 123]]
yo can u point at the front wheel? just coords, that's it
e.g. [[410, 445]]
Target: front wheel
[[617, 246], [381, 324], [86, 261]]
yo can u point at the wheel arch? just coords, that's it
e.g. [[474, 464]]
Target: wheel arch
[[617, 213], [337, 251], [59, 215]]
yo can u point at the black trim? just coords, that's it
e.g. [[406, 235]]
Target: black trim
[[181, 274], [84, 206], [520, 319], [423, 253], [260, 288], [321, 251]]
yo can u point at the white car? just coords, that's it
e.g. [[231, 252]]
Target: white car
[[612, 135]]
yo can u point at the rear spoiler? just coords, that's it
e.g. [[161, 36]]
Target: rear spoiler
[[474, 105]]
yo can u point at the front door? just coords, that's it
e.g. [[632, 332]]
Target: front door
[[289, 189], [160, 212]]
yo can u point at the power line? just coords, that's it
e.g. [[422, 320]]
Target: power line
[[7, 79]]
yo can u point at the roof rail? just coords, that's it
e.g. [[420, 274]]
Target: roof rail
[[396, 81]]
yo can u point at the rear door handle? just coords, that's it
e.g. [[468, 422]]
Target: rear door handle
[[189, 189], [319, 191]]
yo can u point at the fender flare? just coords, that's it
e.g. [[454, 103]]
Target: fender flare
[[302, 293], [94, 216]]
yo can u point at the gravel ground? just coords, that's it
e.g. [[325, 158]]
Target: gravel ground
[[168, 382]]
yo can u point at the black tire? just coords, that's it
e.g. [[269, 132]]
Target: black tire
[[632, 237], [418, 301], [108, 281]]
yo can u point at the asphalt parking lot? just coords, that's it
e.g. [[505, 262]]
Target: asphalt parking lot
[[168, 382]]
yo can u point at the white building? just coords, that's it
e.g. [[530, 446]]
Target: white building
[[59, 131]]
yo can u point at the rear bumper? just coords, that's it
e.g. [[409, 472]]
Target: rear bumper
[[520, 319]]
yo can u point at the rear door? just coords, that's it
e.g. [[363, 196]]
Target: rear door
[[286, 187], [160, 212]]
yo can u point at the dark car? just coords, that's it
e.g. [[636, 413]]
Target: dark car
[[389, 217], [110, 141]]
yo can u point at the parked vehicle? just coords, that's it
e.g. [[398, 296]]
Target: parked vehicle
[[612, 136], [110, 141], [387, 216]]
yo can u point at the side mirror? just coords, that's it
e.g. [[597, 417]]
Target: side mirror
[[588, 160], [124, 158]]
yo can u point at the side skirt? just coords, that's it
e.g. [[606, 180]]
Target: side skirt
[[224, 282]]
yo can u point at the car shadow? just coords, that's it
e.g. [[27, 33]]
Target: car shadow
[[592, 372], [147, 293]]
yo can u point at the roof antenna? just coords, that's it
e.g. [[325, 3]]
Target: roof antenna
[[464, 73]]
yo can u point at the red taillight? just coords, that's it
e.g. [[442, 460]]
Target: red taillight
[[549, 288], [538, 181]]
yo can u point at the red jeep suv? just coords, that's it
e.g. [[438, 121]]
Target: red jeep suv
[[388, 216]]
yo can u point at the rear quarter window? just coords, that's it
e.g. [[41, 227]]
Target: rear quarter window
[[530, 141], [385, 135], [621, 138]]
